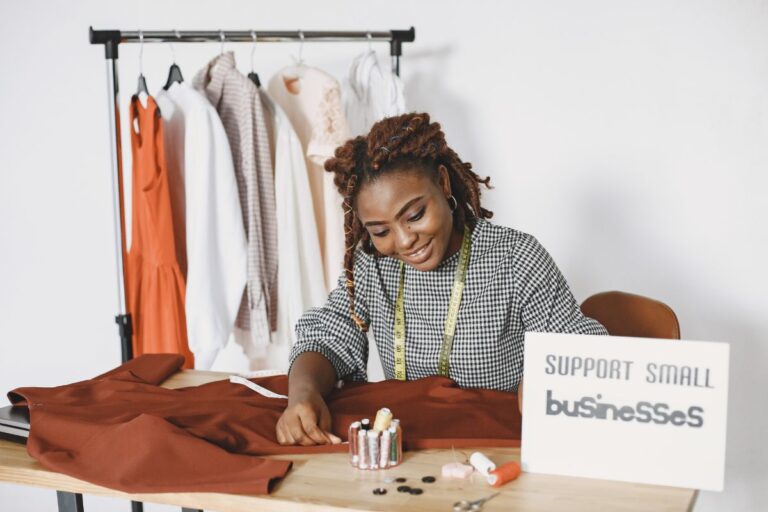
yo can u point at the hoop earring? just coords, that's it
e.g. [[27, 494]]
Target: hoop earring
[[455, 203]]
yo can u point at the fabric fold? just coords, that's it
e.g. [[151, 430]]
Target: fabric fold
[[124, 431]]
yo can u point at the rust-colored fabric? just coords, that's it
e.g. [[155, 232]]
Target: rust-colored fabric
[[122, 430], [154, 281]]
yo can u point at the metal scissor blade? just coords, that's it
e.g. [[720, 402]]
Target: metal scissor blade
[[472, 506]]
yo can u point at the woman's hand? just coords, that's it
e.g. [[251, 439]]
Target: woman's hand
[[306, 421]]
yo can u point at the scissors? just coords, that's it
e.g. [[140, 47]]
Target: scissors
[[472, 506]]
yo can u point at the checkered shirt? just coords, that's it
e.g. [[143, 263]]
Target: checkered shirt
[[512, 286]]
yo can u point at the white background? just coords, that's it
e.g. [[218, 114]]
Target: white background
[[630, 137], [630, 451]]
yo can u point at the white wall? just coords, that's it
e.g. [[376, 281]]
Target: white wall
[[630, 137]]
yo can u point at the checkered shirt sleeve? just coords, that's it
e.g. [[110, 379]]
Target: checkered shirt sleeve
[[543, 296], [330, 331]]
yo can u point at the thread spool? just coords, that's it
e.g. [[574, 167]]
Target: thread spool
[[386, 449], [393, 446], [354, 450], [397, 442], [373, 449], [481, 463], [503, 474], [383, 419], [362, 450]]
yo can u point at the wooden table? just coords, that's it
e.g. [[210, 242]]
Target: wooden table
[[327, 483]]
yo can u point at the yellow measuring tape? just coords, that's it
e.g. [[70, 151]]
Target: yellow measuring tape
[[450, 321]]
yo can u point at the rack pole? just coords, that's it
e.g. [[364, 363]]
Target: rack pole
[[245, 36], [123, 317], [396, 38]]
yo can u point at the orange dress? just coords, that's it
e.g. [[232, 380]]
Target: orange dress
[[154, 284]]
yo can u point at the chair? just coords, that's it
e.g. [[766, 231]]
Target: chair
[[626, 314]]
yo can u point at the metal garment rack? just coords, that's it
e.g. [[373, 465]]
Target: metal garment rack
[[112, 39]]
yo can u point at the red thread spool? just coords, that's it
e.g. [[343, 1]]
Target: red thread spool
[[503, 474]]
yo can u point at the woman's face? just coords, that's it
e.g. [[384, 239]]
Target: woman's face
[[408, 218]]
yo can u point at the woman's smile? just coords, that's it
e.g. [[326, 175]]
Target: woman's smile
[[420, 255]]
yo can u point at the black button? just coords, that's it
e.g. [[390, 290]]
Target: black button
[[379, 491], [403, 488], [416, 491], [400, 479], [428, 479]]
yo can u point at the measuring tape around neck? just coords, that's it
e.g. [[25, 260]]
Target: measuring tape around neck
[[450, 321]]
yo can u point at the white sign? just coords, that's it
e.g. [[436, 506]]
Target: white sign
[[631, 409]]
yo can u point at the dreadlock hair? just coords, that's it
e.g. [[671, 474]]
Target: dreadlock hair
[[406, 142]]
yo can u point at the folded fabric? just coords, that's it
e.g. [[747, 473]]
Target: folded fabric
[[124, 431]]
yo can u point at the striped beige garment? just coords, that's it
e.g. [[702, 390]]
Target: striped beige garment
[[238, 103]]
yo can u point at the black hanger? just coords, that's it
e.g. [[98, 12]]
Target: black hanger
[[174, 76], [254, 78], [142, 87]]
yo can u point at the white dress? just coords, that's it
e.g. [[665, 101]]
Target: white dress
[[371, 93], [311, 98], [301, 285]]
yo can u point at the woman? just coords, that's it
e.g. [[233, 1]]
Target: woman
[[445, 291]]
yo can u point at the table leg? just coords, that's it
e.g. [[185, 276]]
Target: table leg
[[69, 501], [137, 506], [185, 509]]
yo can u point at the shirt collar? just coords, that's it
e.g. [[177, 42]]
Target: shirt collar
[[216, 73], [481, 242]]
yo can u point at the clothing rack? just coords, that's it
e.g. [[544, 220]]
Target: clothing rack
[[112, 39]]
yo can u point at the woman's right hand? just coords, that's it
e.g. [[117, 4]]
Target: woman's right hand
[[306, 421]]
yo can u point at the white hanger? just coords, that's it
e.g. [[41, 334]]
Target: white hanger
[[296, 71], [253, 75], [141, 90], [253, 48], [173, 50], [300, 62]]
